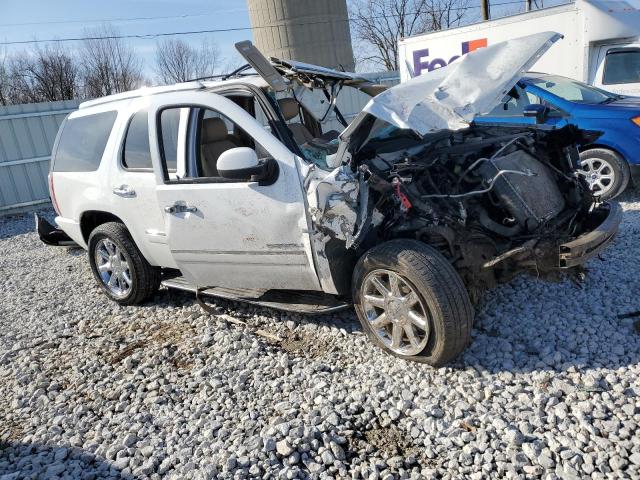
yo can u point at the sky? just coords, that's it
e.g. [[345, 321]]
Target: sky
[[48, 19]]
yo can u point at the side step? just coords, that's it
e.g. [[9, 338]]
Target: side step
[[300, 301]]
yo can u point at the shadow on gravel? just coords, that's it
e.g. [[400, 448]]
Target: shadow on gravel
[[26, 460], [12, 225]]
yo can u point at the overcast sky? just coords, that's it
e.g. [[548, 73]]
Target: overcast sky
[[33, 19]]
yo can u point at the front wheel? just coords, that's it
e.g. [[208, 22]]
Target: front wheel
[[412, 303], [119, 267], [606, 172]]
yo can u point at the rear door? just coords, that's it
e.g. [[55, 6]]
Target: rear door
[[235, 234]]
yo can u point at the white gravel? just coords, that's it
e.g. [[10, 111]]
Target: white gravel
[[549, 388]]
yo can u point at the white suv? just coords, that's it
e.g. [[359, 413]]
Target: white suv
[[232, 188]]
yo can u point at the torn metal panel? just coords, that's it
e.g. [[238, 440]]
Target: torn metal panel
[[333, 202], [333, 205], [450, 97]]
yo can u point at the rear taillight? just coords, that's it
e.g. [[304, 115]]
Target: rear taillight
[[52, 194]]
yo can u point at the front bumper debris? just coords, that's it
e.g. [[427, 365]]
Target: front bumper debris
[[607, 218], [51, 235]]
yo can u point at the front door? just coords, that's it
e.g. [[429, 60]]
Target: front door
[[226, 233]]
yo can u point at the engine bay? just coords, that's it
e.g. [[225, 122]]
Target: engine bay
[[494, 200]]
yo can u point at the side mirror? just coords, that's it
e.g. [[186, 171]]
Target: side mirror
[[539, 112], [242, 164]]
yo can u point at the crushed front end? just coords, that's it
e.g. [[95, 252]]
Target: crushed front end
[[495, 201]]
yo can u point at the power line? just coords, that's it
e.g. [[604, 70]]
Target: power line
[[152, 36], [120, 20]]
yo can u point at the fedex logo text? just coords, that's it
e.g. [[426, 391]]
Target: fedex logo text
[[421, 63]]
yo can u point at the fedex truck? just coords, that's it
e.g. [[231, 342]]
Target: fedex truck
[[601, 44]]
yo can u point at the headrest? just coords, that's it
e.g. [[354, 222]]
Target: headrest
[[289, 108], [213, 130]]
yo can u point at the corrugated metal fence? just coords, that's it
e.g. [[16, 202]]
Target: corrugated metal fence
[[27, 133]]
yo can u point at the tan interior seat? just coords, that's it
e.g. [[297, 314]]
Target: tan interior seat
[[290, 109], [214, 141]]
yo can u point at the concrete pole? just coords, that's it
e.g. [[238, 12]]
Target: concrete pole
[[311, 31], [486, 12]]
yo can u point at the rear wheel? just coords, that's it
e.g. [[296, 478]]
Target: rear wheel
[[123, 273], [412, 303], [606, 172]]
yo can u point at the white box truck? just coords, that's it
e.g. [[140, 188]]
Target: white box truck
[[601, 44]]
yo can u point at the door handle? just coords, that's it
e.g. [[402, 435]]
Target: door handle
[[180, 208], [124, 191]]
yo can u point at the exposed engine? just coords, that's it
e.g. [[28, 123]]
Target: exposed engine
[[488, 198]]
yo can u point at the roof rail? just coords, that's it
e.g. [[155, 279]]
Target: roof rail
[[144, 91]]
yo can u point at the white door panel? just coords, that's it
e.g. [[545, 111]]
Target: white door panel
[[132, 198], [241, 234]]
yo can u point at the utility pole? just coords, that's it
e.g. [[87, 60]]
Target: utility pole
[[486, 13]]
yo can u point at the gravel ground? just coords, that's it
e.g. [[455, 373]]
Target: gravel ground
[[549, 388]]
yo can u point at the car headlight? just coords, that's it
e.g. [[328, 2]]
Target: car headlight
[[636, 120]]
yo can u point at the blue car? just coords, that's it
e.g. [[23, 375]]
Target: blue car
[[608, 163]]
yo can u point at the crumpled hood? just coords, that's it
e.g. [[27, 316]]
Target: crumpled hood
[[450, 97]]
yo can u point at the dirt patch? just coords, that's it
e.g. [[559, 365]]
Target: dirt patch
[[303, 344], [168, 334], [12, 430], [387, 441], [390, 441]]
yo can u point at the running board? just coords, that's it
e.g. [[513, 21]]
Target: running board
[[299, 301]]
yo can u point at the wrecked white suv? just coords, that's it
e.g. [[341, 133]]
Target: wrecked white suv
[[232, 189]]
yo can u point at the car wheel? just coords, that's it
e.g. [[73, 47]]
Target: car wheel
[[606, 172], [119, 267], [412, 303]]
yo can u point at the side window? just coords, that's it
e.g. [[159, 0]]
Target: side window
[[210, 134], [622, 66], [82, 142], [553, 111], [513, 104], [217, 133], [136, 153], [170, 129]]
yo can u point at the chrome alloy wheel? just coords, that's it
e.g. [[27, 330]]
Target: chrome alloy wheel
[[599, 174], [113, 268], [395, 312]]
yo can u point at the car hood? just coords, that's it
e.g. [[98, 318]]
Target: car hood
[[450, 97], [623, 108]]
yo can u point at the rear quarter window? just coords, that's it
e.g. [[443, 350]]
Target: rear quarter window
[[82, 142], [136, 154]]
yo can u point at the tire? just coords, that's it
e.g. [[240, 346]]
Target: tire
[[442, 300], [605, 171], [134, 279]]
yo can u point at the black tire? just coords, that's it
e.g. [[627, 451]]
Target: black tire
[[145, 279], [439, 287], [618, 166]]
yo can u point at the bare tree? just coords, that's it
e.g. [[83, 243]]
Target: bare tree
[[379, 24], [47, 75], [108, 64], [4, 79], [177, 61]]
